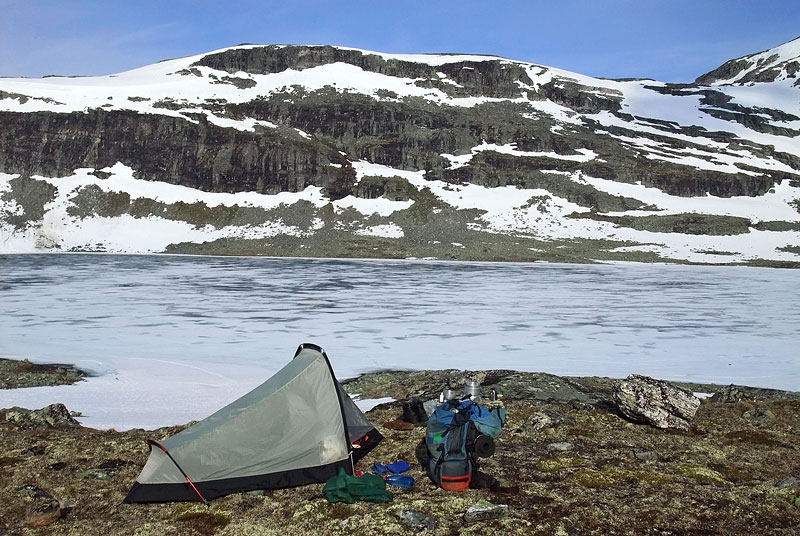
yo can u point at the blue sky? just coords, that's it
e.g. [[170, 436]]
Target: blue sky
[[669, 40]]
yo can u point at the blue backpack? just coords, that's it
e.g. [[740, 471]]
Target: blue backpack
[[451, 461]]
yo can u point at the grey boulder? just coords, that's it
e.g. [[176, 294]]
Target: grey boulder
[[656, 402], [417, 520]]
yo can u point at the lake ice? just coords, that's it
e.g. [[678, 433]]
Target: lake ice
[[174, 338]]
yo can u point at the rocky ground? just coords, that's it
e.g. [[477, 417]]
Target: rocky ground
[[580, 467], [15, 374]]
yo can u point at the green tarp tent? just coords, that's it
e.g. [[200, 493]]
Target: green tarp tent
[[298, 427]]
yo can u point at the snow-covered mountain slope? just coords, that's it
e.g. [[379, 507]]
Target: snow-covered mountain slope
[[779, 64], [330, 151]]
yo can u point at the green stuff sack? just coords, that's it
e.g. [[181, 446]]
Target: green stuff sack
[[335, 489], [349, 489]]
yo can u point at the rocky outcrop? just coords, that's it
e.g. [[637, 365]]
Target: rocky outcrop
[[655, 402], [779, 63], [731, 394], [497, 79], [52, 416], [16, 374]]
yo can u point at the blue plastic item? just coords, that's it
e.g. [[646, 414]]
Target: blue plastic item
[[401, 481], [398, 467], [379, 468]]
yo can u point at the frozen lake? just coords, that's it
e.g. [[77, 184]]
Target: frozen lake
[[174, 338]]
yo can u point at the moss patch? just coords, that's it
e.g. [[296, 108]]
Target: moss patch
[[31, 195], [780, 226], [757, 437], [704, 475], [553, 465], [612, 476], [693, 224], [203, 522]]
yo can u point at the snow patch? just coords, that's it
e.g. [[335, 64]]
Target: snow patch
[[388, 230], [457, 161], [381, 206]]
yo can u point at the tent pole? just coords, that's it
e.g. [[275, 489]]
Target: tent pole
[[189, 480]]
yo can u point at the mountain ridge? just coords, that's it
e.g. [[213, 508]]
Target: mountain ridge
[[369, 146], [758, 67]]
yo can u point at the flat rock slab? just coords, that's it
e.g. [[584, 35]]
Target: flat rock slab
[[483, 510]]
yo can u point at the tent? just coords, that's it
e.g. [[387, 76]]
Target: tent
[[297, 428]]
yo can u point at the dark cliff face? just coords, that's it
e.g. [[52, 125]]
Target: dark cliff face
[[169, 149], [478, 78]]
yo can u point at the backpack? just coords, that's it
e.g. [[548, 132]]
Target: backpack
[[451, 430]]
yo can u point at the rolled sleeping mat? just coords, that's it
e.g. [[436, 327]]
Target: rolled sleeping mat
[[483, 447]]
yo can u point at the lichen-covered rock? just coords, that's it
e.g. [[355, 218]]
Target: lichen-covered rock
[[655, 402], [787, 482], [105, 471], [760, 414], [561, 446], [417, 520], [483, 510], [43, 513], [645, 455], [52, 416], [730, 394], [542, 420], [31, 492]]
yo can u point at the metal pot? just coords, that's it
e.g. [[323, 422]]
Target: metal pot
[[473, 390], [448, 394]]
